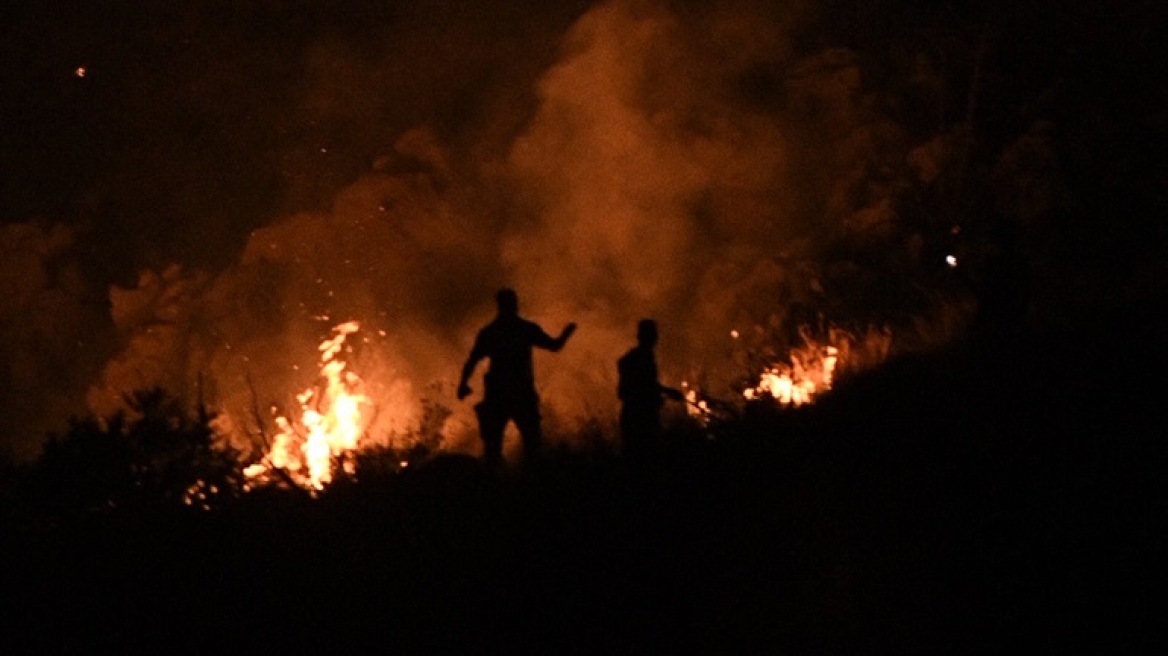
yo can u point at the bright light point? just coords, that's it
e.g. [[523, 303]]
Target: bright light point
[[733, 334], [80, 71], [951, 260]]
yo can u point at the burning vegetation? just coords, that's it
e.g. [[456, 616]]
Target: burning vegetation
[[807, 375], [332, 417], [329, 428]]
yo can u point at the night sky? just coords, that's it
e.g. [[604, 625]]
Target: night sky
[[710, 164], [175, 130]]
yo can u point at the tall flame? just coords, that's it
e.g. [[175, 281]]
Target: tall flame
[[329, 425]]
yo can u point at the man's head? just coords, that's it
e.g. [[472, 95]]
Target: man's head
[[647, 333], [507, 300]]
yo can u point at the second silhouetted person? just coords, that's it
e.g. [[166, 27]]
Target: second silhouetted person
[[642, 395]]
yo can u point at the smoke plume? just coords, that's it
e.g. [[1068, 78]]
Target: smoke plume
[[648, 172], [611, 161]]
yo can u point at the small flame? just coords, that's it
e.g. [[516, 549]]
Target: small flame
[[695, 406], [809, 372]]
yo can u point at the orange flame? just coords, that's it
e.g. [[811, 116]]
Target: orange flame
[[809, 373], [330, 425]]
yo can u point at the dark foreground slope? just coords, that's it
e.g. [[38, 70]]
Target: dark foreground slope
[[1002, 494]]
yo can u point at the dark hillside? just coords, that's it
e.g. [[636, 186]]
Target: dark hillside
[[1004, 493]]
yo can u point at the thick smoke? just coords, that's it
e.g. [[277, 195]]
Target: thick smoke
[[652, 177], [643, 178], [644, 184], [55, 330], [664, 160], [396, 253]]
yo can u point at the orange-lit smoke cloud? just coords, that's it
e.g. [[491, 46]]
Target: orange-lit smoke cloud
[[657, 174], [643, 180], [55, 333]]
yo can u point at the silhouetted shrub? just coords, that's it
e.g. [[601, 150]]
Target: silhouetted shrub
[[155, 455]]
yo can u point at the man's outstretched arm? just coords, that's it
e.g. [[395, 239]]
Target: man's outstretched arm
[[543, 340], [558, 343]]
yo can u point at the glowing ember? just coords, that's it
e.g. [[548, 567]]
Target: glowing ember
[[329, 425], [695, 406], [199, 494]]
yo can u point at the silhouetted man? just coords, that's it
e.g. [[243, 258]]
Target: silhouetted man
[[641, 394], [509, 393]]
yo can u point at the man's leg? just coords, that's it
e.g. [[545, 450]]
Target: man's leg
[[527, 420], [492, 422], [639, 431]]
